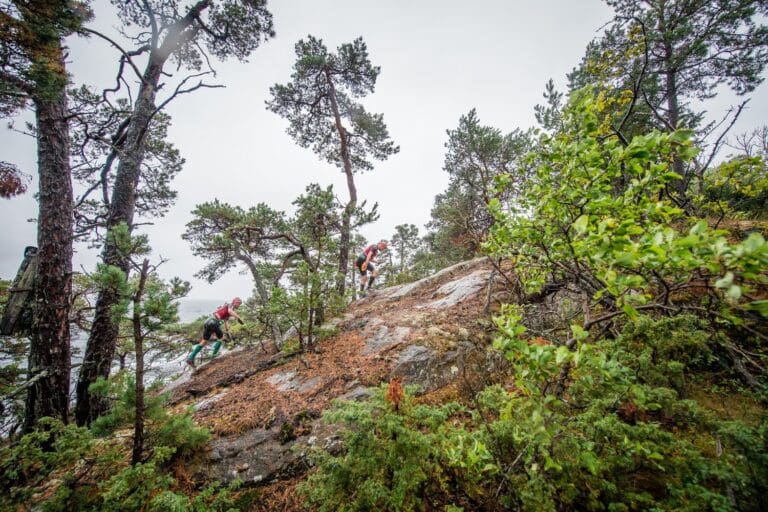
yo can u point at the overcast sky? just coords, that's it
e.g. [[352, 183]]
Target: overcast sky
[[438, 59]]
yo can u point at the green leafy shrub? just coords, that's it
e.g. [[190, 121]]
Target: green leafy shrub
[[622, 437], [600, 420], [600, 415], [391, 460], [738, 188]]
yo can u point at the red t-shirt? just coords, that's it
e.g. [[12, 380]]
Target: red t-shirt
[[372, 249], [223, 313]]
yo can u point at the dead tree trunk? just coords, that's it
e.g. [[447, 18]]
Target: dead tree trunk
[[17, 315]]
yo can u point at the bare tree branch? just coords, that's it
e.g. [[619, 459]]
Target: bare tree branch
[[180, 90], [719, 142], [126, 56]]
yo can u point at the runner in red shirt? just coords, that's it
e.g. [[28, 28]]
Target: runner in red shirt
[[213, 326], [364, 265]]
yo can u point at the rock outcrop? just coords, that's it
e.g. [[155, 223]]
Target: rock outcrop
[[264, 409]]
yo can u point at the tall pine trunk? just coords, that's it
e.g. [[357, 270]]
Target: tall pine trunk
[[49, 351], [103, 339], [100, 350], [346, 218]]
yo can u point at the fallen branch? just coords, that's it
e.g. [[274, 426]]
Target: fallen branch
[[27, 384]]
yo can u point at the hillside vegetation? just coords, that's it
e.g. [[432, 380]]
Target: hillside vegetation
[[583, 326]]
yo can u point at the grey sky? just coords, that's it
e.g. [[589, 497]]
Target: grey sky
[[438, 60]]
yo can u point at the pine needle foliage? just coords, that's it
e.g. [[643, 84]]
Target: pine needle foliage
[[61, 467], [391, 458]]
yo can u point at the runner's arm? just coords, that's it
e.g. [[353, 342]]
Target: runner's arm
[[234, 314]]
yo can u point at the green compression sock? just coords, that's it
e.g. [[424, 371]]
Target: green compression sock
[[216, 347], [195, 350]]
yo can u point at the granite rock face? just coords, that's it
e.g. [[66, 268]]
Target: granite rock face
[[429, 369], [424, 333]]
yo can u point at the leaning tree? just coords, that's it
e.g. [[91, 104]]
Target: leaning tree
[[319, 104], [186, 35]]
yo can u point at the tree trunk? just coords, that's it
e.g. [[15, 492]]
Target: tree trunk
[[100, 350], [50, 342], [17, 315], [341, 280], [277, 336], [101, 344], [309, 310], [673, 106], [138, 339], [344, 242]]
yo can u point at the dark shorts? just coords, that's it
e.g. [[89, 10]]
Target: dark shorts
[[360, 261], [212, 326]]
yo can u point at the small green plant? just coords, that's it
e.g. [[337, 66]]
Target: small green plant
[[164, 429], [737, 188], [31, 460], [75, 468], [623, 436], [66, 468]]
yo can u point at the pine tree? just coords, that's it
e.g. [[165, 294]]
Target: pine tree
[[227, 236], [319, 105], [476, 156], [670, 53], [33, 70], [404, 242], [187, 34]]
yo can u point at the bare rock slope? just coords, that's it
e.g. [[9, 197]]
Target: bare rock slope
[[260, 405]]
